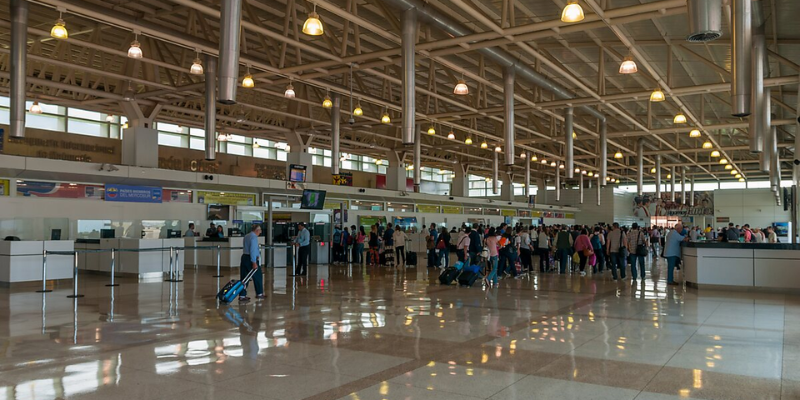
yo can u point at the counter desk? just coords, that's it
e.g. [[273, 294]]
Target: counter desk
[[746, 265], [21, 261], [135, 256], [230, 251]]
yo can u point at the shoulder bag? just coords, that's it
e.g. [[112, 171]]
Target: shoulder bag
[[641, 248]]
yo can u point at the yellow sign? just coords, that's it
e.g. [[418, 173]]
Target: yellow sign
[[226, 198], [570, 216], [452, 209], [508, 213], [537, 214], [4, 187], [334, 204], [424, 208]]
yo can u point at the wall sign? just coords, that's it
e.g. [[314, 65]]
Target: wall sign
[[133, 194], [226, 198], [62, 146], [343, 179]]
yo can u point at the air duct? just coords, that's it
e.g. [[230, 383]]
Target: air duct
[[211, 107], [558, 184], [640, 166], [691, 194], [508, 127], [580, 188], [568, 142], [766, 123], [705, 20], [683, 185], [672, 184], [335, 134], [758, 64], [658, 177], [495, 172], [775, 162], [417, 157], [741, 68], [407, 41], [603, 152], [19, 47], [230, 27], [431, 15], [599, 188], [527, 177]]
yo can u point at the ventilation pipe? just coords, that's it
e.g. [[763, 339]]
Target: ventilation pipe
[[336, 133], [558, 184], [705, 20], [672, 184], [691, 189], [19, 46], [603, 153], [758, 64], [658, 177], [741, 68], [580, 187], [407, 40], [570, 163], [766, 122], [495, 173], [541, 194], [599, 187], [211, 107], [508, 110], [417, 157], [775, 162], [683, 185], [229, 30], [527, 176], [640, 166]]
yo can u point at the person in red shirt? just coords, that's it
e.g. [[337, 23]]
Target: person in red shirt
[[583, 246]]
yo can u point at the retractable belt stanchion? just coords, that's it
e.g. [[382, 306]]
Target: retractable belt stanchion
[[75, 294], [173, 265], [113, 265], [44, 273], [219, 274]]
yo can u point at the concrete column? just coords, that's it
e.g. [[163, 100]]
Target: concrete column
[[541, 193], [140, 147], [460, 185], [301, 157], [507, 191], [395, 172]]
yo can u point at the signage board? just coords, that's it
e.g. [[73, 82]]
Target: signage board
[[133, 194]]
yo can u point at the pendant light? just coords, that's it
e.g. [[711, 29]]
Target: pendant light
[[740, 177], [657, 96], [35, 108], [653, 170], [572, 12], [488, 179], [498, 149], [410, 167], [552, 163], [583, 172], [523, 155], [358, 111], [327, 102], [255, 144], [590, 174], [618, 155], [451, 135], [385, 119], [534, 158], [577, 170], [461, 88], [59, 30], [484, 145], [197, 66], [431, 130], [574, 135], [560, 166], [125, 125], [468, 141], [379, 162], [248, 81], [679, 119], [669, 176], [289, 92], [715, 154], [695, 133], [544, 161], [723, 161], [734, 172], [707, 145], [109, 118], [728, 166], [135, 51], [628, 66], [313, 26]]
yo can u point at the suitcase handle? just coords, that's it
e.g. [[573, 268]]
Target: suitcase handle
[[249, 276]]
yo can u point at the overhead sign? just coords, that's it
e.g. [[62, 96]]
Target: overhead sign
[[226, 198], [508, 213], [133, 194], [452, 209], [425, 208]]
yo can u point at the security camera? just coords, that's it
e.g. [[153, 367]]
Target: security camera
[[796, 162], [351, 121]]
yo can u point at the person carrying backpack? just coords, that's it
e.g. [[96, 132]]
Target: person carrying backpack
[[598, 242], [475, 246]]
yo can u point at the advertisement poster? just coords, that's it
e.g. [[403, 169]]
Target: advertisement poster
[[425, 208], [335, 204], [337, 217], [367, 221], [177, 196], [452, 209], [133, 194], [508, 213], [225, 198], [343, 179], [59, 190], [647, 205], [405, 222], [4, 187]]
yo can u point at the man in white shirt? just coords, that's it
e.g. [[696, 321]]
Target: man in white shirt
[[462, 245]]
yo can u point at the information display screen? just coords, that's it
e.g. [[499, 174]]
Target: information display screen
[[313, 199]]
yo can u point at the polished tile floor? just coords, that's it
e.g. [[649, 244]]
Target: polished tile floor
[[348, 332]]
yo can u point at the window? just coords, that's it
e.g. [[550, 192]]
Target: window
[[172, 140]]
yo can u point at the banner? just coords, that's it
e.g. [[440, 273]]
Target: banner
[[4, 187], [177, 196], [647, 205], [226, 198], [508, 213], [59, 190], [452, 209], [425, 208], [367, 221], [343, 179], [133, 194], [334, 204]]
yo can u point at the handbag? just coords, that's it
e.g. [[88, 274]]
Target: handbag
[[587, 252], [441, 245], [641, 249]]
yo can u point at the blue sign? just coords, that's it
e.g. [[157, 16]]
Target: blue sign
[[133, 194]]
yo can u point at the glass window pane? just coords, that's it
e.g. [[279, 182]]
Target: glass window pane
[[197, 144], [45, 121], [47, 108], [236, 148], [163, 126], [86, 114], [88, 128], [281, 155], [169, 139], [197, 132], [237, 139]]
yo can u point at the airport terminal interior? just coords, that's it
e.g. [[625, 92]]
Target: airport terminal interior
[[399, 199]]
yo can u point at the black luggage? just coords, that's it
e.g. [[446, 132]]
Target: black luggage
[[411, 258], [448, 275], [468, 278]]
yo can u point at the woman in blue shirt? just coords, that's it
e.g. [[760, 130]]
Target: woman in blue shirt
[[220, 231], [672, 251]]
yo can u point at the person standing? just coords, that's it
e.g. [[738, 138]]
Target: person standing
[[211, 231], [672, 251], [544, 249], [598, 242], [462, 245], [399, 239], [772, 237], [563, 244], [338, 250], [491, 245], [374, 243], [347, 243], [303, 244], [360, 238], [190, 232], [583, 246], [475, 246], [443, 246], [732, 234], [220, 232], [615, 251], [525, 254], [637, 238], [249, 262]]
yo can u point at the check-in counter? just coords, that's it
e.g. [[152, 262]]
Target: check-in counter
[[746, 265], [134, 256], [21, 261], [230, 251]]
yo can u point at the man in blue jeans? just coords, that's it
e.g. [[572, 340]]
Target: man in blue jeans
[[672, 251], [636, 238], [250, 262], [615, 250]]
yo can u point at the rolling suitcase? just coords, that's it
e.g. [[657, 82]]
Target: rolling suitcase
[[411, 258], [448, 276], [232, 289], [468, 278]]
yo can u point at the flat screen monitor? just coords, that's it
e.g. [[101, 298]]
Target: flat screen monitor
[[313, 199], [297, 173], [218, 212], [107, 233], [55, 234]]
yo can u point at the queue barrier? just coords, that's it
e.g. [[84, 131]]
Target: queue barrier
[[174, 256]]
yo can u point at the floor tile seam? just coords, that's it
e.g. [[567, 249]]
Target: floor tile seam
[[368, 381]]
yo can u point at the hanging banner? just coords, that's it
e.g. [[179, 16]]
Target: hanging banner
[[335, 204], [425, 208], [343, 179], [648, 205], [452, 209], [226, 198], [133, 194], [508, 213]]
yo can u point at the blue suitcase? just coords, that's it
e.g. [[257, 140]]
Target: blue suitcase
[[232, 289]]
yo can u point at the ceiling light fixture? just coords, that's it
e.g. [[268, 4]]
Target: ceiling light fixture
[[313, 26], [578, 170], [35, 108], [552, 163], [523, 155], [385, 119], [59, 30], [728, 166], [695, 133], [498, 149], [484, 145], [669, 176], [248, 81], [707, 145], [358, 111], [734, 172], [534, 158], [657, 96], [255, 144], [618, 155], [583, 172], [135, 51], [289, 92], [468, 141], [574, 135], [544, 161], [109, 118], [431, 130], [197, 66], [715, 154], [461, 88], [573, 12], [590, 174], [679, 119], [723, 161], [628, 66], [653, 170], [560, 166], [451, 135], [740, 177]]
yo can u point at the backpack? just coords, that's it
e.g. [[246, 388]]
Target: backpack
[[475, 242], [349, 239], [337, 237], [596, 245]]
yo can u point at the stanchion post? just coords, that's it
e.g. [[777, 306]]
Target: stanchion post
[[219, 258], [176, 277], [113, 265], [44, 273], [75, 294]]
